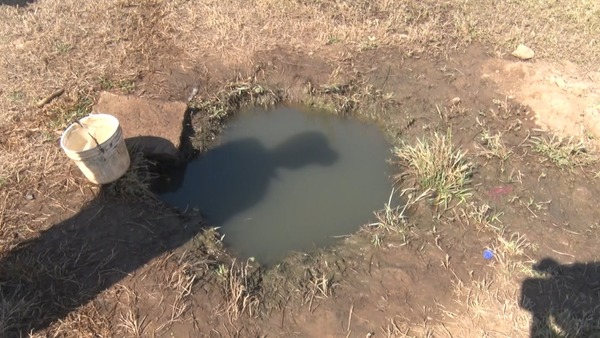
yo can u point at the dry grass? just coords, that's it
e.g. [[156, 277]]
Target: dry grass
[[81, 48], [68, 56], [553, 29], [490, 301], [181, 280], [482, 216], [39, 283], [398, 329], [492, 310], [82, 51], [89, 321], [261, 25], [112, 44], [564, 152], [393, 219], [492, 146], [13, 310], [356, 98], [131, 322], [240, 290], [32, 163], [319, 285], [135, 185], [235, 95]]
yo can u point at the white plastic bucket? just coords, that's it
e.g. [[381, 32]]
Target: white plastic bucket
[[95, 143]]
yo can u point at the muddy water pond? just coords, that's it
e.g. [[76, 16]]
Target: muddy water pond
[[287, 180]]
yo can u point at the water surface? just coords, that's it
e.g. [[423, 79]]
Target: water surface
[[287, 179]]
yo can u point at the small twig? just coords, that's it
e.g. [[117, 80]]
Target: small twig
[[531, 211], [312, 297], [440, 112], [350, 318], [447, 331], [142, 226], [387, 76], [563, 253], [89, 221], [49, 98], [525, 140], [2, 211], [283, 311]]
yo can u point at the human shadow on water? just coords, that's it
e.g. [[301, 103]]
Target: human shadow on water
[[235, 176], [565, 301], [44, 279]]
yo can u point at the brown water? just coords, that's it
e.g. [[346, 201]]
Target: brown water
[[287, 180]]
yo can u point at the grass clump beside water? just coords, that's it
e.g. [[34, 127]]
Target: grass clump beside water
[[241, 289], [235, 95], [434, 164]]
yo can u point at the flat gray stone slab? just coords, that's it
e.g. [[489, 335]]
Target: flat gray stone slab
[[149, 125]]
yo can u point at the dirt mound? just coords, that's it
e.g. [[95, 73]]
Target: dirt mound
[[565, 99]]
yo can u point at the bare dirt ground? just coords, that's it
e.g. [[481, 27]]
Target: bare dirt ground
[[83, 261]]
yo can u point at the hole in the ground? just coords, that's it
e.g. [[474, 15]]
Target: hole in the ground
[[286, 180]]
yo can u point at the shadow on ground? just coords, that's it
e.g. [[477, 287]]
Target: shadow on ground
[[564, 301], [19, 3], [68, 265], [46, 278]]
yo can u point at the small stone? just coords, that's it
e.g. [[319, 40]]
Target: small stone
[[29, 196], [456, 101], [193, 94], [523, 52]]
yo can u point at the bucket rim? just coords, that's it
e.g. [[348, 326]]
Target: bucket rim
[[83, 119]]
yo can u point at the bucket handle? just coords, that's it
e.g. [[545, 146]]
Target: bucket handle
[[92, 136]]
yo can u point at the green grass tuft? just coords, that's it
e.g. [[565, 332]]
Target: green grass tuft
[[564, 152], [436, 165]]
